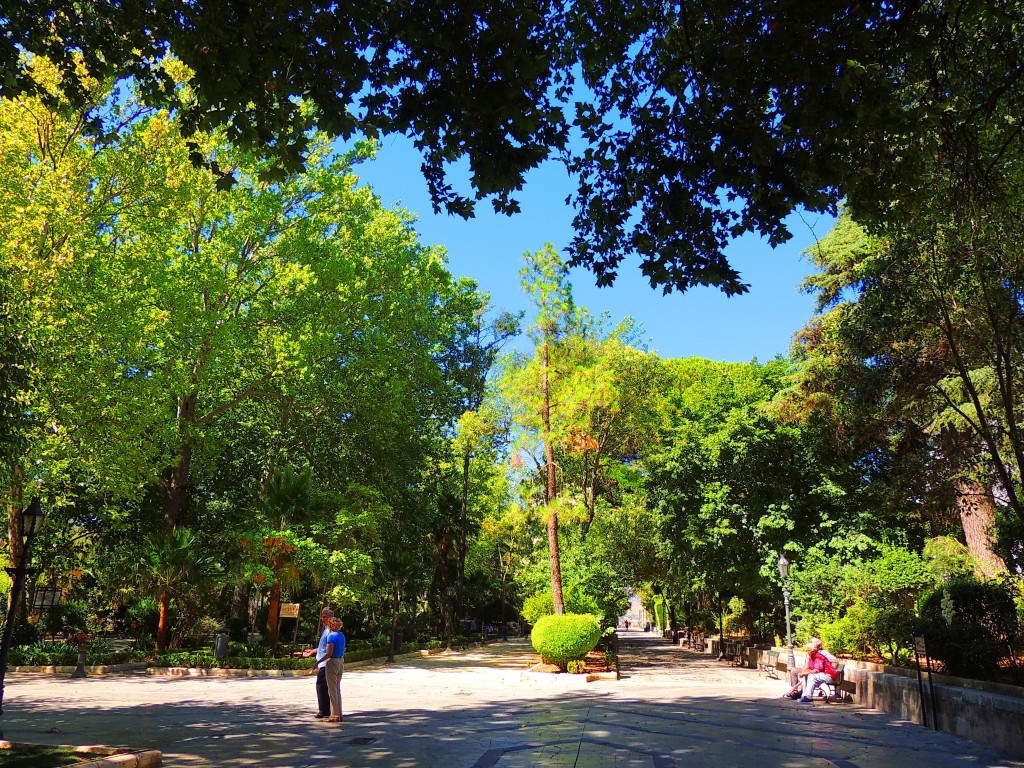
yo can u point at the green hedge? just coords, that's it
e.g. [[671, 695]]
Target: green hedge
[[565, 638], [245, 662], [60, 654], [98, 657], [203, 658], [970, 625], [660, 614], [63, 654]]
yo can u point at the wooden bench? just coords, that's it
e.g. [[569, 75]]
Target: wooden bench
[[739, 656], [770, 668], [834, 690]]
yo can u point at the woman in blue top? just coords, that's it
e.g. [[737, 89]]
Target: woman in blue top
[[335, 658]]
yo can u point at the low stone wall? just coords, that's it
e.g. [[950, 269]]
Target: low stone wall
[[746, 655], [102, 757], [988, 713]]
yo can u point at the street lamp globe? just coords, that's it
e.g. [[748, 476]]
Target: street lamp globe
[[32, 519], [783, 567]]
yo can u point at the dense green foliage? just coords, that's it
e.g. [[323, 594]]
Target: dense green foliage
[[862, 599], [566, 637], [239, 394], [970, 626], [233, 394], [660, 614], [423, 72], [576, 601], [696, 121]]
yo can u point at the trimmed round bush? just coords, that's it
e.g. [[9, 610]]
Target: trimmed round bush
[[565, 638]]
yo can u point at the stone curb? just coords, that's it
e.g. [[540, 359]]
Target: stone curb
[[98, 670], [220, 672], [564, 678], [216, 671], [107, 757]]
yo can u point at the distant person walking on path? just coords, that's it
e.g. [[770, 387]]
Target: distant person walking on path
[[334, 656], [820, 669], [322, 698]]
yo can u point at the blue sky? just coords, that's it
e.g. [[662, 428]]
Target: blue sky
[[702, 322]]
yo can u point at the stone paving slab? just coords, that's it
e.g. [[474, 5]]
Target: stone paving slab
[[671, 709]]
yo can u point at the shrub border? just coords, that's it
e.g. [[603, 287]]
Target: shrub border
[[303, 667]]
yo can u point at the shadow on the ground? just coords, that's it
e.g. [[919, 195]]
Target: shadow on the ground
[[608, 726], [691, 732]]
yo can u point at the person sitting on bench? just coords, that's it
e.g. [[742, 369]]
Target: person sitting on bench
[[820, 669]]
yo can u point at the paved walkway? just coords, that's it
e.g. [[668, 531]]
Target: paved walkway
[[671, 709]]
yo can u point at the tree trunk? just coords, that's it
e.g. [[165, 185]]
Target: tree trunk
[[549, 491], [272, 616], [240, 603], [977, 516], [590, 496], [394, 624], [163, 628], [463, 525], [449, 621], [504, 608], [176, 493]]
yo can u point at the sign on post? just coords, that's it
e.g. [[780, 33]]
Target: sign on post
[[289, 611], [921, 651]]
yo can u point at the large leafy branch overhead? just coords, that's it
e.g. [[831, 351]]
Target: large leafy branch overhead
[[697, 120]]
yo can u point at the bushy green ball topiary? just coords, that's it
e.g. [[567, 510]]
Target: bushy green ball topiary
[[565, 638]]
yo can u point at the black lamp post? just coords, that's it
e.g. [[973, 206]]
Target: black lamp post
[[31, 521], [791, 660]]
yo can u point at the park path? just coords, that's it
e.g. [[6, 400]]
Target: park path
[[476, 709]]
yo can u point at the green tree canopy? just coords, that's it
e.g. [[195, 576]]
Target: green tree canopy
[[916, 355], [698, 120]]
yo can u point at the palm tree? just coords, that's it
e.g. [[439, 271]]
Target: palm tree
[[287, 502], [174, 565], [402, 566]]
